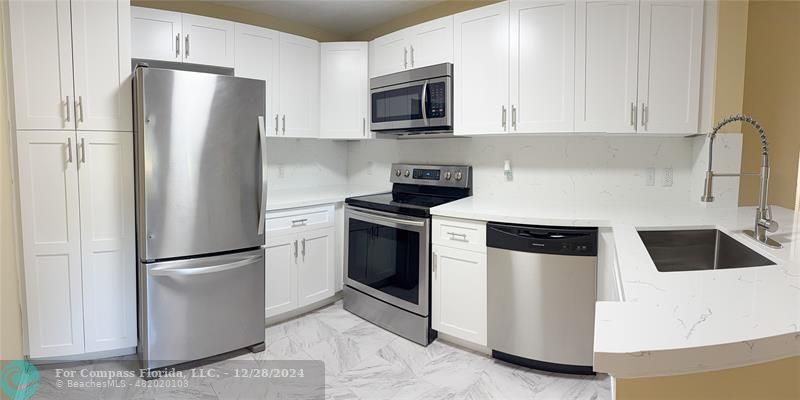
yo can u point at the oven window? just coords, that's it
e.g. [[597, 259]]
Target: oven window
[[397, 104], [384, 258]]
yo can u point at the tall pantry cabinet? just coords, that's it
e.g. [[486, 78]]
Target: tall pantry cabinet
[[72, 108]]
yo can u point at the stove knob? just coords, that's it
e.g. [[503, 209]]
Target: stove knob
[[459, 176], [397, 172], [407, 173], [447, 175]]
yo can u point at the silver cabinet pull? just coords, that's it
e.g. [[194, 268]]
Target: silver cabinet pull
[[412, 56], [68, 105], [644, 115], [83, 151], [458, 236], [80, 107], [295, 249], [363, 127], [433, 264], [405, 57], [503, 117], [304, 248], [514, 116], [177, 45], [284, 124], [69, 150], [186, 47], [276, 124], [299, 222], [633, 114]]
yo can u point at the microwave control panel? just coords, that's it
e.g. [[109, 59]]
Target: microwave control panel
[[436, 100]]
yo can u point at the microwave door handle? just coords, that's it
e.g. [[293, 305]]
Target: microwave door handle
[[425, 102]]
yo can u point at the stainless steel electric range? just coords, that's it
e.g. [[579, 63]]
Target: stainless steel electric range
[[388, 249]]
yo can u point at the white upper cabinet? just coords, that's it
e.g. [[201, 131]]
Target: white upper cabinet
[[51, 242], [71, 63], [671, 40], [481, 57], [156, 34], [388, 54], [208, 41], [42, 64], [101, 54], [421, 45], [170, 36], [606, 66], [431, 42], [299, 86], [542, 65], [257, 51], [105, 172], [344, 90]]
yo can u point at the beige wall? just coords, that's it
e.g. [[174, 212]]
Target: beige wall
[[442, 9], [10, 314], [772, 95], [240, 15], [778, 380], [731, 51]]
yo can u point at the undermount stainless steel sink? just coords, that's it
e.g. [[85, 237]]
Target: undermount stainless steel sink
[[697, 250]]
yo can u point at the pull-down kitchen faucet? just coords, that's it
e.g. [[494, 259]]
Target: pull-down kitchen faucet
[[764, 222]]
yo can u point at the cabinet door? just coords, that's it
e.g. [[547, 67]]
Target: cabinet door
[[542, 65], [257, 58], [208, 41], [388, 54], [315, 279], [481, 79], [671, 41], [42, 64], [156, 34], [605, 65], [459, 293], [299, 88], [281, 274], [343, 90], [108, 259], [48, 182], [431, 42], [101, 54]]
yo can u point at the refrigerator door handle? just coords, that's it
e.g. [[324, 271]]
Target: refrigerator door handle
[[263, 142], [204, 270]]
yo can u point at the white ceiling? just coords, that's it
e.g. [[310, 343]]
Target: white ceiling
[[343, 17]]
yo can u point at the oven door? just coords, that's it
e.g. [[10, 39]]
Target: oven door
[[387, 256], [418, 105]]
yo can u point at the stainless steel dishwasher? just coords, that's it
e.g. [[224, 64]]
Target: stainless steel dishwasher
[[542, 288]]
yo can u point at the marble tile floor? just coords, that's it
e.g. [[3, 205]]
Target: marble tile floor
[[363, 361]]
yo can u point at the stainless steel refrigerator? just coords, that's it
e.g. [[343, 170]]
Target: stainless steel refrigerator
[[200, 209]]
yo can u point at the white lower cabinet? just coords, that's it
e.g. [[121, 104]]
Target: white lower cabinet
[[300, 260], [76, 192], [458, 279]]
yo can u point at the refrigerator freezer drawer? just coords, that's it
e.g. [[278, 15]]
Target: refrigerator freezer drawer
[[197, 308]]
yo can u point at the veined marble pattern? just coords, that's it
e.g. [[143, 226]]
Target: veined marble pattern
[[363, 361]]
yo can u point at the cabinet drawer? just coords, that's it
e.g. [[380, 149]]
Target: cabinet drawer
[[299, 219], [460, 233]]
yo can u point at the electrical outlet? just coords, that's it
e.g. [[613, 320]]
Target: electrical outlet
[[667, 181], [281, 172], [650, 177]]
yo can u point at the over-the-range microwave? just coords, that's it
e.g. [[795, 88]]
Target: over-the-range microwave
[[417, 101]]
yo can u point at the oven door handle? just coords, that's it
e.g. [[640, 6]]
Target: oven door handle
[[393, 220]]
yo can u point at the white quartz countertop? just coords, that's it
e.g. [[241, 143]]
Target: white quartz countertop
[[311, 196], [670, 323]]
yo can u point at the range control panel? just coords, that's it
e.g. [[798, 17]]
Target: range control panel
[[432, 175]]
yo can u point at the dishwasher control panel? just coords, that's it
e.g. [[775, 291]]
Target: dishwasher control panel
[[568, 241]]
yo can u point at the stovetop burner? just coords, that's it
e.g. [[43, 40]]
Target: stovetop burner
[[418, 188]]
